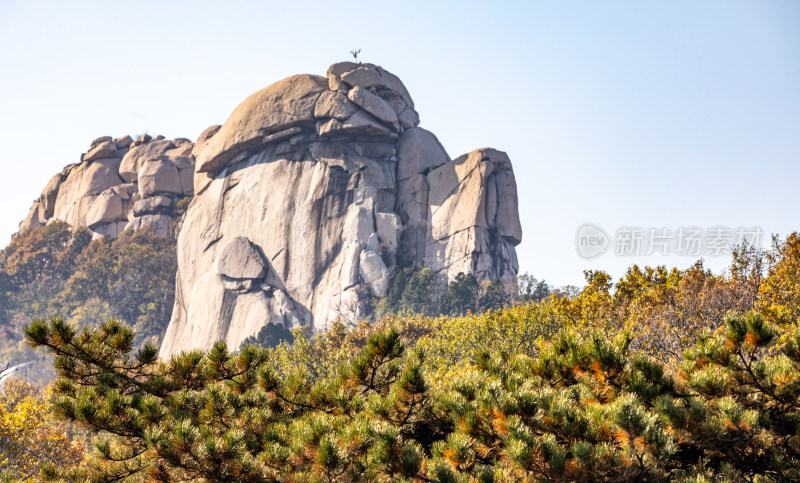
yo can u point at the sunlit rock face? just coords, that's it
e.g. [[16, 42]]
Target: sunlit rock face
[[310, 197], [119, 184]]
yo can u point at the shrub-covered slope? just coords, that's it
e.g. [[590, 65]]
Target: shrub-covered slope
[[54, 270]]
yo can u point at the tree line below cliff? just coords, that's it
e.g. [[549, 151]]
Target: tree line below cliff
[[55, 270]]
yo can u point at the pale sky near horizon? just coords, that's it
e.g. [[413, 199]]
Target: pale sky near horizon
[[622, 114]]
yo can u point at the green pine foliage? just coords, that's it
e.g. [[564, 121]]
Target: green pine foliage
[[419, 291], [412, 291], [462, 295], [581, 408]]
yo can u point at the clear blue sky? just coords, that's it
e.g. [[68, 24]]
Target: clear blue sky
[[642, 113]]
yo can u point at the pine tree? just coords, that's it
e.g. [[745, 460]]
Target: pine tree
[[462, 295], [585, 408]]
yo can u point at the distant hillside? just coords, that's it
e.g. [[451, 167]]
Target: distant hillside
[[53, 269]]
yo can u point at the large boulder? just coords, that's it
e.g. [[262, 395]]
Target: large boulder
[[418, 152], [157, 176], [473, 216], [278, 107], [141, 153], [241, 259], [374, 105], [159, 222], [334, 104], [314, 193], [153, 204], [104, 149], [107, 207], [48, 196], [373, 272], [35, 218]]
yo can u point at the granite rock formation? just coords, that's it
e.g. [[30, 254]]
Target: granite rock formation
[[309, 198], [119, 184]]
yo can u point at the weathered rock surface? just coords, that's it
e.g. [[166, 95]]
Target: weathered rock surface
[[104, 149], [306, 202], [334, 104], [119, 183], [154, 204], [473, 216], [418, 151], [312, 195], [157, 176], [374, 105], [139, 153]]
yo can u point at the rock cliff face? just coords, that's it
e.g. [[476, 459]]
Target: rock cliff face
[[118, 184], [310, 196]]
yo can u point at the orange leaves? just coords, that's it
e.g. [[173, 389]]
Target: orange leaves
[[499, 421], [451, 456], [620, 436], [734, 426], [779, 292]]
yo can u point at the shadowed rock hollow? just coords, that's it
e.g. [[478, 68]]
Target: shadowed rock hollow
[[312, 194]]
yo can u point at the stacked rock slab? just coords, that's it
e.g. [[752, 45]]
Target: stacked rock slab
[[119, 184], [311, 196]]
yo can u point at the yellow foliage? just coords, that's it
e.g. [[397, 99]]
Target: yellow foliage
[[779, 293], [30, 436]]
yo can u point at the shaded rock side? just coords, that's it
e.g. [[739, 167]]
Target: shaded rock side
[[311, 196], [119, 184]]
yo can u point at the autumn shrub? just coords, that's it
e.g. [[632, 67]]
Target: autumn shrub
[[668, 309], [55, 269], [779, 294], [31, 436]]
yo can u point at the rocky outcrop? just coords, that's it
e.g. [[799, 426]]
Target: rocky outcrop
[[473, 221], [119, 184], [311, 196]]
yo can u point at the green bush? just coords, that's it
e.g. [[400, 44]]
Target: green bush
[[271, 335]]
